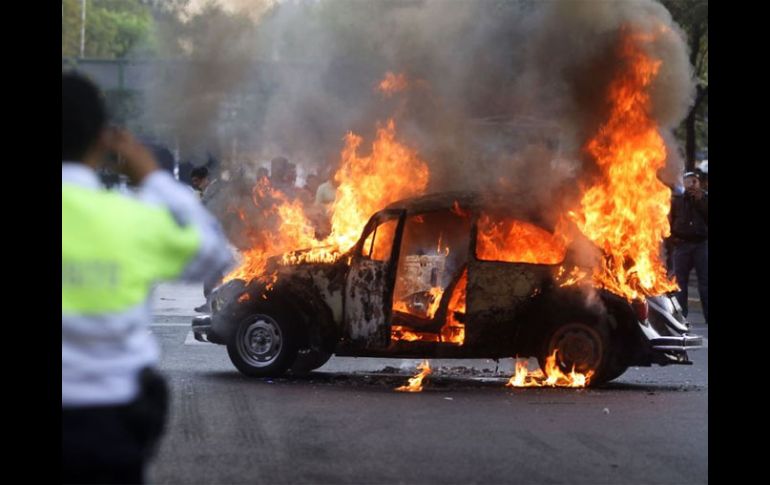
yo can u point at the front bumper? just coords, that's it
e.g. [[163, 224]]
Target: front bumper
[[202, 331]]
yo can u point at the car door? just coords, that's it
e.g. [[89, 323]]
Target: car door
[[432, 258], [369, 285], [512, 260]]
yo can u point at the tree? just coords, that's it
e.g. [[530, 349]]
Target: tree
[[114, 28], [692, 16]]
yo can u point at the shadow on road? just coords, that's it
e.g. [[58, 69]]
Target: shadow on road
[[389, 381]]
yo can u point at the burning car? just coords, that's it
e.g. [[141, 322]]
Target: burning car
[[449, 275]]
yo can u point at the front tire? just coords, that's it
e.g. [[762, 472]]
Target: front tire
[[263, 345]]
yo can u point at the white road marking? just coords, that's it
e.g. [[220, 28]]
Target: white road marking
[[190, 340]]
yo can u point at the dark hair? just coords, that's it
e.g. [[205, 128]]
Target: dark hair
[[199, 172], [83, 115]]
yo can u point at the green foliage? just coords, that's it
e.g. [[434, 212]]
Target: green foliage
[[692, 17], [114, 29]]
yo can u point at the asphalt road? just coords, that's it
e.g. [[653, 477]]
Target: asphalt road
[[345, 424]]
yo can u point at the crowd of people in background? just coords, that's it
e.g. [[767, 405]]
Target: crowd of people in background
[[245, 204]]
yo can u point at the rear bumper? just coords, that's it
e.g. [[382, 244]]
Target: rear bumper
[[670, 349], [681, 343], [667, 333]]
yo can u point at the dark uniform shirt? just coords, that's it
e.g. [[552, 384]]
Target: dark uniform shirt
[[689, 218]]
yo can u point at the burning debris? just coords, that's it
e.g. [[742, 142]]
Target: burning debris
[[415, 383], [453, 330], [552, 377]]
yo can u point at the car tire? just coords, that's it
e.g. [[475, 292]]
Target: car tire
[[581, 342], [309, 360], [264, 345], [614, 372]]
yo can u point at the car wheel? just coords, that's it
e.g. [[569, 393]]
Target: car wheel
[[309, 360], [614, 372], [586, 346], [263, 346]]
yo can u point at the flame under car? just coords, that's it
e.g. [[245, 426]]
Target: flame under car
[[450, 275]]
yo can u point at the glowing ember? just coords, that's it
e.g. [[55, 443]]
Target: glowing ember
[[243, 297], [439, 250], [517, 242], [574, 276], [392, 83], [456, 209], [415, 383], [398, 332], [552, 377], [626, 213], [434, 295]]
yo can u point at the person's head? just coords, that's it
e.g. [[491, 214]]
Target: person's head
[[278, 168], [312, 182], [262, 173], [691, 181], [200, 178], [84, 121]]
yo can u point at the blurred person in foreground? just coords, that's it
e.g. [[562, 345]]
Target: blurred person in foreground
[[114, 249], [689, 240]]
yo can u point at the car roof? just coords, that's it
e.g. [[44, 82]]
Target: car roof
[[523, 205]]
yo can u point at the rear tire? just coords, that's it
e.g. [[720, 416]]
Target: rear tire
[[581, 343], [615, 371], [263, 345]]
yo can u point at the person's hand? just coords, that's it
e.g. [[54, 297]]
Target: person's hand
[[138, 161]]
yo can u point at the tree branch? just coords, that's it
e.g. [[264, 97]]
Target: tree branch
[[700, 93]]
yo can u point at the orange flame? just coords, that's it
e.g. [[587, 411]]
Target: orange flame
[[626, 214], [398, 332], [453, 331], [367, 183], [576, 275], [392, 171], [415, 383], [517, 242], [392, 83], [456, 209], [552, 377]]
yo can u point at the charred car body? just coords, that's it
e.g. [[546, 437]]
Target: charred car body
[[426, 280]]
